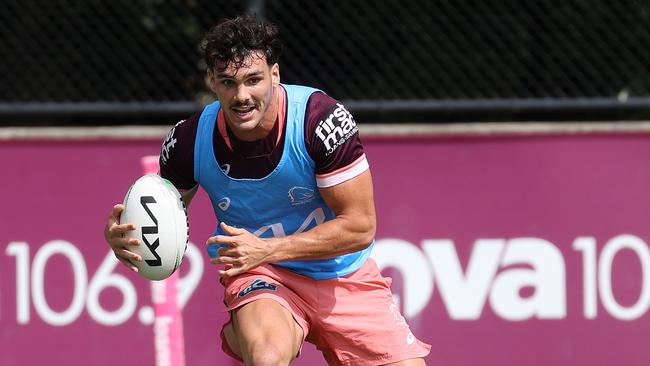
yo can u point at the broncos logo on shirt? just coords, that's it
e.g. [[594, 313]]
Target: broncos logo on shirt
[[300, 195]]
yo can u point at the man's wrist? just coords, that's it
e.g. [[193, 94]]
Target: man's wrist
[[277, 247]]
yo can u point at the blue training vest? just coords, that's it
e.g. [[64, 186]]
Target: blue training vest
[[285, 202]]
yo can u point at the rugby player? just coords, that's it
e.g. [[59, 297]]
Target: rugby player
[[292, 193]]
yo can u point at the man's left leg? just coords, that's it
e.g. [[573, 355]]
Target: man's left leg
[[266, 333]]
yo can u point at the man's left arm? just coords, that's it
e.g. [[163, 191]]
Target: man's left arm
[[352, 229], [344, 182]]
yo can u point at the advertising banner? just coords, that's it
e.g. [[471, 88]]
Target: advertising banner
[[504, 250]]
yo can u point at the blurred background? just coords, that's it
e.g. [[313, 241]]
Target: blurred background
[[508, 141], [125, 62]]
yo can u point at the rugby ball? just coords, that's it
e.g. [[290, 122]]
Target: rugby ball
[[155, 207]]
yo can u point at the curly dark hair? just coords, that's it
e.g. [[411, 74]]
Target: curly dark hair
[[232, 40]]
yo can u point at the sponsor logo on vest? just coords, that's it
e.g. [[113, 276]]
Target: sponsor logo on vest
[[224, 203], [337, 128], [257, 285], [301, 195]]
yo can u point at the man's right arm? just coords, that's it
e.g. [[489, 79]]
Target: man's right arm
[[177, 157], [188, 194], [177, 166]]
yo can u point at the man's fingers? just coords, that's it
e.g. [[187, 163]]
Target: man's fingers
[[227, 260], [231, 230], [227, 251], [230, 238], [121, 243], [114, 218], [116, 238], [128, 255], [122, 229], [114, 233], [128, 264], [234, 271], [221, 239], [117, 210], [113, 228]]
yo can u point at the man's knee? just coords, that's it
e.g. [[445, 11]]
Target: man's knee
[[265, 353], [260, 352], [266, 333]]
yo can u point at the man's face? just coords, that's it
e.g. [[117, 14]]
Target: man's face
[[246, 94]]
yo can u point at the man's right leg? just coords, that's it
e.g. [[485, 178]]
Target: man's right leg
[[263, 332]]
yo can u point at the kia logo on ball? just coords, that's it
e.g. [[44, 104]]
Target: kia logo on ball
[[144, 201]]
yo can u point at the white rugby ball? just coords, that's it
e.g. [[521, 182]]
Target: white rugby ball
[[155, 207]]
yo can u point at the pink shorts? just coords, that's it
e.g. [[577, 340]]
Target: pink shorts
[[351, 319]]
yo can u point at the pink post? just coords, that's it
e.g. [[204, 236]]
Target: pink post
[[168, 320]]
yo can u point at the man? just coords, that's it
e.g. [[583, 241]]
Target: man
[[291, 189]]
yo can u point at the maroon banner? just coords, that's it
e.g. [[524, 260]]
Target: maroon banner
[[522, 250]]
